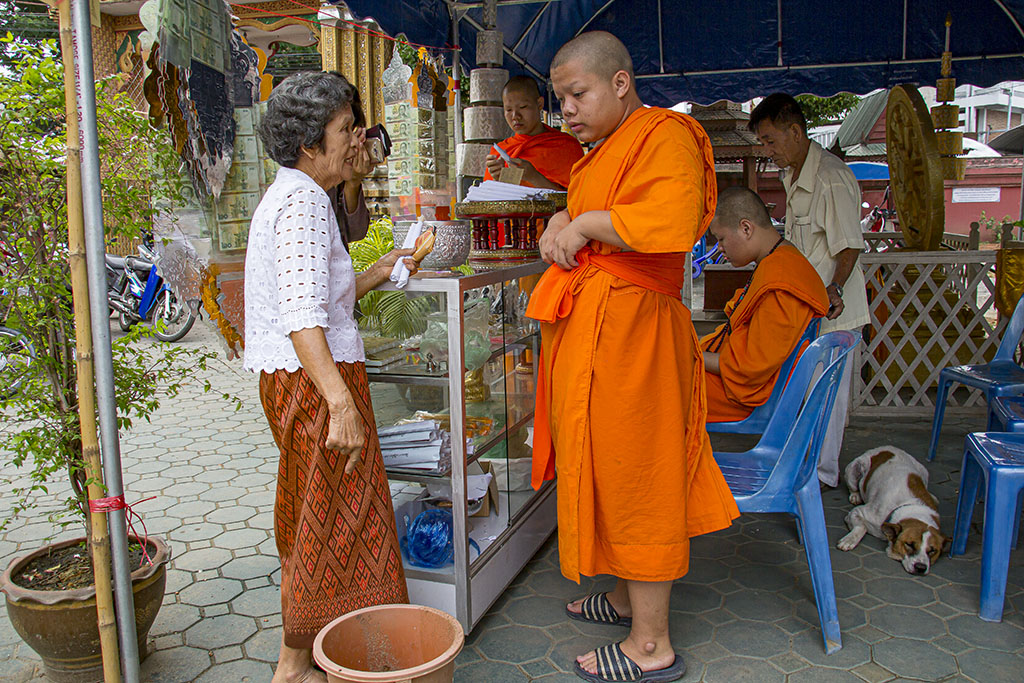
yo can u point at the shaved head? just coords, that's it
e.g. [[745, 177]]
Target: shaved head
[[522, 84], [738, 203], [599, 52]]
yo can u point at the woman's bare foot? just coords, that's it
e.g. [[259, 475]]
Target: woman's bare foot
[[295, 665], [649, 656]]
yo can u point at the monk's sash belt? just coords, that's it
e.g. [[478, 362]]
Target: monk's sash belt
[[553, 297]]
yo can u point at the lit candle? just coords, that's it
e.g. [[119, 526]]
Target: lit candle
[[949, 22]]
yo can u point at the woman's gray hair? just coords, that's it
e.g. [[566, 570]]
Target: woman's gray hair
[[299, 109]]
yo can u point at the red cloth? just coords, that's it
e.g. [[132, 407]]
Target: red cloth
[[551, 152]]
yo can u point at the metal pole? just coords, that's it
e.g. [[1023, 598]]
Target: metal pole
[[92, 204], [99, 532], [457, 75]]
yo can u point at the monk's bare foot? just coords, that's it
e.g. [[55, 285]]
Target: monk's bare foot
[[649, 656], [619, 602]]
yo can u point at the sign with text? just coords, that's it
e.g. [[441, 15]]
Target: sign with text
[[969, 195]]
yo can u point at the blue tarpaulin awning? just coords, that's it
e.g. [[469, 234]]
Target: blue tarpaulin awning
[[739, 49]]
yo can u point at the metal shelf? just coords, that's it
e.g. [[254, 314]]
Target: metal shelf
[[523, 520]]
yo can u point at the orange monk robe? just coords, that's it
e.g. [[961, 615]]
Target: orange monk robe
[[764, 327], [552, 153], [620, 397]]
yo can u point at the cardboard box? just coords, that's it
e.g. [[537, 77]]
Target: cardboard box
[[491, 499]]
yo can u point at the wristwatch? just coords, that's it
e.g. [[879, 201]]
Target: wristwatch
[[839, 288]]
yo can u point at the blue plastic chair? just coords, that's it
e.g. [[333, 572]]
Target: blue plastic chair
[[1000, 459], [779, 474], [714, 255], [756, 422], [1007, 414], [1001, 377]]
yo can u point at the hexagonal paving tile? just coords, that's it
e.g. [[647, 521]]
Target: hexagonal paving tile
[[694, 599], [906, 623], [240, 538], [175, 665], [514, 645], [914, 659], [243, 671], [215, 632], [265, 645], [752, 639], [733, 669], [986, 665], [1003, 635], [758, 605], [490, 671], [174, 619], [231, 513], [536, 611], [258, 602], [210, 592], [251, 567], [199, 560]]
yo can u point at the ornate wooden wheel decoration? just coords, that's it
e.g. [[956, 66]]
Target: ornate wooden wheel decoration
[[915, 170]]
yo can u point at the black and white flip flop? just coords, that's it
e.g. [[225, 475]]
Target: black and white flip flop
[[613, 666], [597, 609]]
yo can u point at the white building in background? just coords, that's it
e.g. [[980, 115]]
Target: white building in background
[[987, 112]]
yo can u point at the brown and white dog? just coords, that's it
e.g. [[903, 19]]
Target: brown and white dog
[[889, 488]]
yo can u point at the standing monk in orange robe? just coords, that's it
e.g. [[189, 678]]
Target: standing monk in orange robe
[[620, 398], [546, 155], [743, 356]]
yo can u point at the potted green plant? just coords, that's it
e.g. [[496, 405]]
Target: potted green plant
[[40, 431]]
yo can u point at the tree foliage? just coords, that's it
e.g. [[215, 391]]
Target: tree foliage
[[40, 428], [823, 110]]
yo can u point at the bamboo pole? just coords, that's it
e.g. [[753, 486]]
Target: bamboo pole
[[99, 539]]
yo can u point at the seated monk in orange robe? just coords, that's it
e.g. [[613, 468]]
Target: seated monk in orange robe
[[620, 397], [546, 155], [743, 356]]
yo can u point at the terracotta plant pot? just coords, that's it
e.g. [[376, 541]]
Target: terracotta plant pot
[[390, 644], [61, 625]]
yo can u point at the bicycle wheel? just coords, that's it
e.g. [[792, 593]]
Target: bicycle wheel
[[172, 319], [16, 354]]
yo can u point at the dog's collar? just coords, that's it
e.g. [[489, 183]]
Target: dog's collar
[[899, 507]]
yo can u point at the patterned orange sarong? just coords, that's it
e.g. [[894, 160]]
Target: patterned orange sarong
[[335, 533]]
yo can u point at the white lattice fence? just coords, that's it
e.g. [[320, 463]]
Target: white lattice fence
[[928, 310]]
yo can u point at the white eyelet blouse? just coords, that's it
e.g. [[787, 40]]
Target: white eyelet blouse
[[298, 274]]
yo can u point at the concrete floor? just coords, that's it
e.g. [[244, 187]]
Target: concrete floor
[[744, 612]]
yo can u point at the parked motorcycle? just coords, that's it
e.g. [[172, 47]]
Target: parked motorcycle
[[137, 293]]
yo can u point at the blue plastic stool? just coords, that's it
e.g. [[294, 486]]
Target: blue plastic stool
[[1000, 459], [1008, 414]]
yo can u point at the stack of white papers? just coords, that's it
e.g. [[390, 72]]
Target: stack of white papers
[[495, 191], [418, 446], [421, 445]]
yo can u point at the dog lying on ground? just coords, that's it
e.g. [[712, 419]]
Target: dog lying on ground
[[889, 488]]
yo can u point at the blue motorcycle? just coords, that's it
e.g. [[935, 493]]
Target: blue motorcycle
[[137, 293]]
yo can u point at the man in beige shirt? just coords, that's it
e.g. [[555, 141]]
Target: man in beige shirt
[[823, 221]]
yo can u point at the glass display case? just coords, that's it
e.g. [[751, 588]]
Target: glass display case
[[452, 367]]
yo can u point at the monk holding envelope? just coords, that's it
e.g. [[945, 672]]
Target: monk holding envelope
[[544, 154]]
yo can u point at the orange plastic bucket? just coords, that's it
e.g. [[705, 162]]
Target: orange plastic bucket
[[390, 644]]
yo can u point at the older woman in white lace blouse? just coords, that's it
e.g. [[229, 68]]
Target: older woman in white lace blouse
[[332, 518]]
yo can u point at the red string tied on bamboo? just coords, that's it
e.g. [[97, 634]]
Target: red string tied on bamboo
[[117, 503]]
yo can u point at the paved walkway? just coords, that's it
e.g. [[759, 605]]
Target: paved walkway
[[744, 612]]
